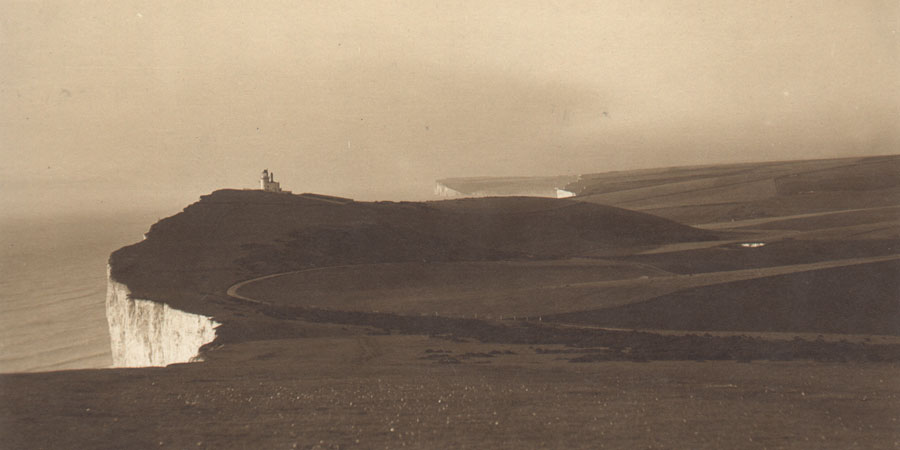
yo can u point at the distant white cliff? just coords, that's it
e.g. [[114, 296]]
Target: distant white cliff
[[504, 187], [441, 190], [562, 193], [147, 333]]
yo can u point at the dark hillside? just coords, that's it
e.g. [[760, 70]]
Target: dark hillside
[[232, 235], [861, 299], [723, 193], [779, 253], [870, 174]]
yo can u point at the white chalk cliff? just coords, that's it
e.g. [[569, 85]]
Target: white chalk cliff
[[441, 190], [146, 333]]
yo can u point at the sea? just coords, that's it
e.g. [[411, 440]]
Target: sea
[[53, 289]]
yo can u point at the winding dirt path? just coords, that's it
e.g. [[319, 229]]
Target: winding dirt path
[[232, 290], [654, 285], [751, 222]]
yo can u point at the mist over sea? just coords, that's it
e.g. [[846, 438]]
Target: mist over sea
[[53, 288]]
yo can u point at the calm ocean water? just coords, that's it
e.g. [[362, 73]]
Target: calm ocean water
[[53, 289]]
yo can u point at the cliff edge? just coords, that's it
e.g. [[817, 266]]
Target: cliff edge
[[147, 333], [167, 294]]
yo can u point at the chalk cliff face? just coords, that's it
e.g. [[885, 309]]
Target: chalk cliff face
[[503, 187], [147, 333], [442, 190]]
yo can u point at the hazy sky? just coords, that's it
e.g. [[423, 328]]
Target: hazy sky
[[127, 104]]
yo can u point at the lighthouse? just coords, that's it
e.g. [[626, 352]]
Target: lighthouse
[[267, 182]]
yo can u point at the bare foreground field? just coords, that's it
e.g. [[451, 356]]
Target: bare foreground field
[[419, 392], [515, 322]]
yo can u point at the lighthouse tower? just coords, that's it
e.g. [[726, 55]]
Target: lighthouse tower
[[267, 182]]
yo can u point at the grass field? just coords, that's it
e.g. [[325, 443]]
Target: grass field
[[394, 392]]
